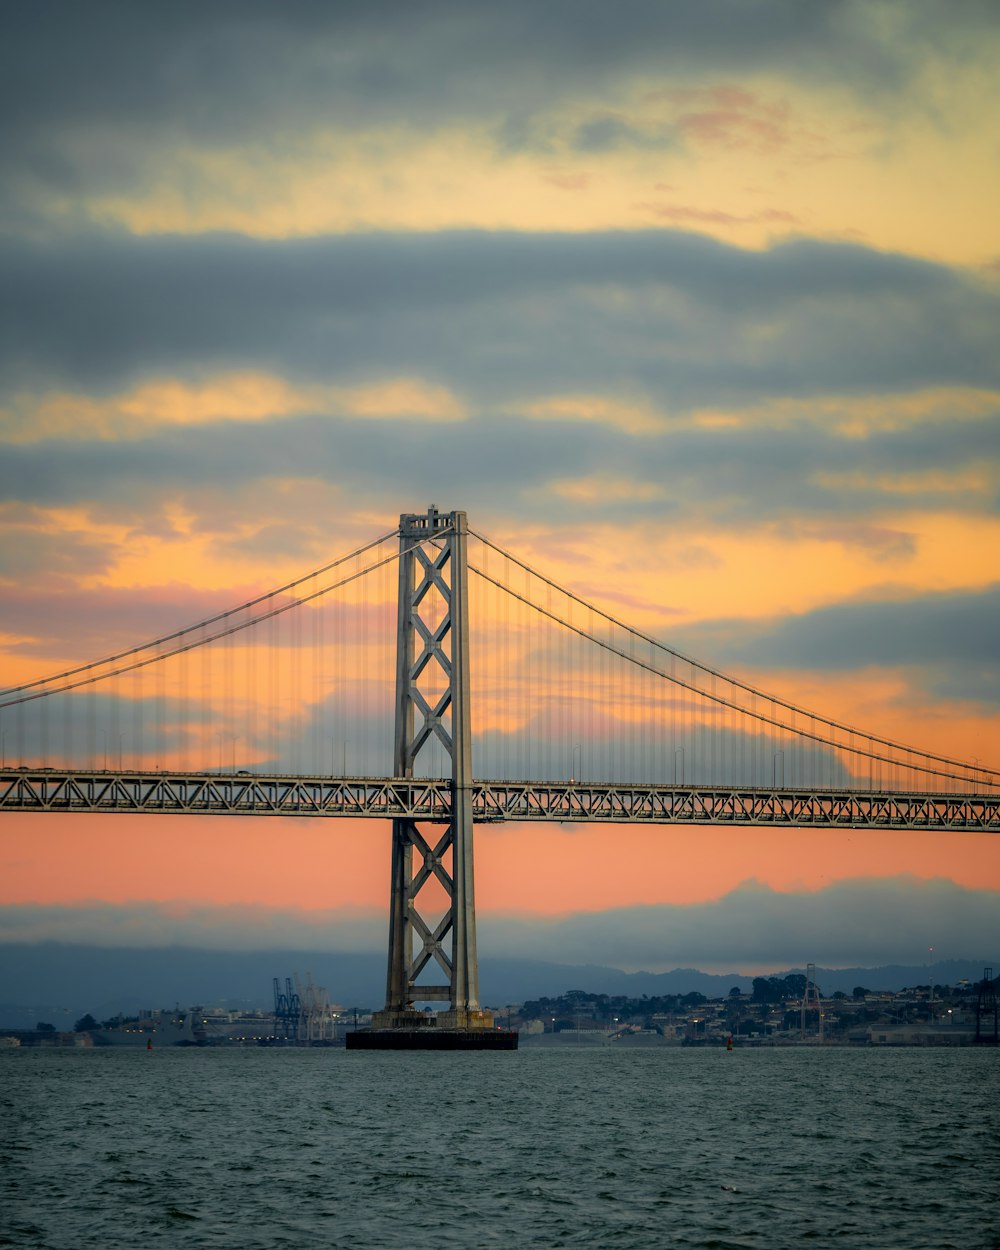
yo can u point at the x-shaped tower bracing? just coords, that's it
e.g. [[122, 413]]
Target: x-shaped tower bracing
[[432, 680]]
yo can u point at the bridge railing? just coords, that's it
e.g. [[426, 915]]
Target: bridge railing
[[34, 790], [300, 681]]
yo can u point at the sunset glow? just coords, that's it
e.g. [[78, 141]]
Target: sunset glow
[[700, 322]]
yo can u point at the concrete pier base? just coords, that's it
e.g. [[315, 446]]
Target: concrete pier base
[[432, 1038]]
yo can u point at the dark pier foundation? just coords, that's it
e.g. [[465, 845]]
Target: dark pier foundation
[[432, 1039]]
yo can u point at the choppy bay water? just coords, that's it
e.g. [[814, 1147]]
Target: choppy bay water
[[260, 1149]]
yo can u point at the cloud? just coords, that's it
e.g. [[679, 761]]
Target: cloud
[[290, 119], [387, 457], [903, 630], [29, 543], [568, 182], [682, 319], [97, 620], [253, 68], [245, 397], [606, 133], [586, 457], [863, 922], [686, 213], [150, 924], [551, 453], [944, 643]]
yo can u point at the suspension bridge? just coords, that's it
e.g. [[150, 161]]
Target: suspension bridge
[[419, 652]]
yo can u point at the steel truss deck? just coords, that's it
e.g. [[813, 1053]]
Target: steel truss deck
[[44, 790]]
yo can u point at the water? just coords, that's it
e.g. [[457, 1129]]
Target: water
[[261, 1149]]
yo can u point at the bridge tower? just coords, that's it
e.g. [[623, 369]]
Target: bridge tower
[[432, 704]]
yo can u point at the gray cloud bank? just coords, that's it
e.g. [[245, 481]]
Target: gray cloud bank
[[666, 314], [863, 923], [504, 320], [128, 75], [946, 641]]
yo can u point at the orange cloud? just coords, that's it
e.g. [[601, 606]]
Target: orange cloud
[[634, 416], [691, 572], [243, 397], [717, 216], [568, 182], [737, 128]]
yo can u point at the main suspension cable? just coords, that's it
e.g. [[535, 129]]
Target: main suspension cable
[[93, 677], [989, 776], [187, 629]]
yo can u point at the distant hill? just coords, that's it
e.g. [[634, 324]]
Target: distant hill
[[58, 982], [509, 980]]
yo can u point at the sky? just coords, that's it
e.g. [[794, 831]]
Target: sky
[[693, 306]]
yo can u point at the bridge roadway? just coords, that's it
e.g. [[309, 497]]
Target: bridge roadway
[[247, 794]]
